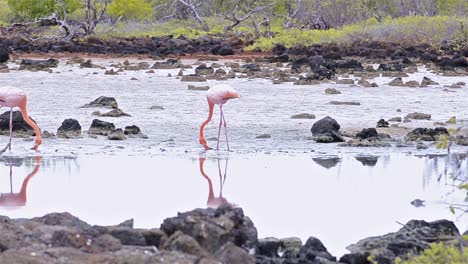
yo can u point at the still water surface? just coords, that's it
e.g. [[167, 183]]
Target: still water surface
[[337, 199]]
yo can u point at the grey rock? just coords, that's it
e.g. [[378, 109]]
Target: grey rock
[[103, 101], [184, 243], [344, 103], [70, 128], [418, 116], [326, 130], [99, 127], [111, 113], [116, 134], [232, 254], [20, 127], [303, 116], [411, 239], [426, 134], [198, 88], [263, 136], [332, 91]]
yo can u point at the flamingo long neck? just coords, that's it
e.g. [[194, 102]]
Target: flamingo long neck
[[37, 131], [202, 127], [24, 187], [210, 184]]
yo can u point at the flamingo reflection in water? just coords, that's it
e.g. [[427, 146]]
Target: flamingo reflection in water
[[215, 201], [18, 199]]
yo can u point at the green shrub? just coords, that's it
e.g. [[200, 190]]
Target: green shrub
[[438, 253], [410, 29]]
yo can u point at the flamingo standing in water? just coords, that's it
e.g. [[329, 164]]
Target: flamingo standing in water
[[217, 95], [14, 97]]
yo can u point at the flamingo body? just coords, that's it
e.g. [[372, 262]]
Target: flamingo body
[[14, 97], [217, 95], [11, 96]]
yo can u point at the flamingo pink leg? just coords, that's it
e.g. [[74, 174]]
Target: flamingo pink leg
[[225, 130], [11, 127], [220, 124]]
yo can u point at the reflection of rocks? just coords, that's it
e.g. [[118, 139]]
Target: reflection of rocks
[[370, 161], [103, 101], [426, 134], [326, 130], [327, 162], [20, 127], [70, 128], [411, 239], [99, 127]]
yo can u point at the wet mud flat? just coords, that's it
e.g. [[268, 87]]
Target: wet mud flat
[[159, 104]]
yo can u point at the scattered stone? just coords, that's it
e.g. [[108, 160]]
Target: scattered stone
[[88, 64], [397, 82], [418, 116], [111, 113], [152, 71], [38, 65], [366, 83], [156, 107], [367, 133], [395, 119], [99, 127], [193, 78], [332, 91], [382, 123], [70, 128], [303, 116], [345, 81], [344, 103], [426, 134], [412, 84], [198, 88], [111, 72], [461, 140], [326, 130], [417, 203], [421, 145], [116, 134], [426, 81], [263, 136], [103, 101]]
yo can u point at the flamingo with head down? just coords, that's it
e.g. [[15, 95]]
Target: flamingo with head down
[[14, 97], [217, 95]]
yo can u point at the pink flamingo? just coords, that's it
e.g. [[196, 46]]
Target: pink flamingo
[[14, 97], [213, 201], [219, 95], [19, 199]]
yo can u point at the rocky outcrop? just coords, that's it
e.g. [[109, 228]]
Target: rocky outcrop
[[412, 238], [99, 127], [103, 101], [20, 127], [38, 65], [303, 116], [426, 134], [326, 130], [112, 113], [418, 116], [70, 128]]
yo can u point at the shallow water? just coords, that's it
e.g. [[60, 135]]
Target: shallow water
[[288, 184], [339, 200]]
